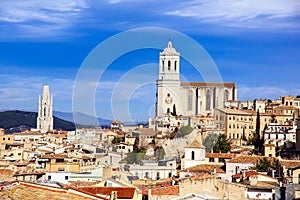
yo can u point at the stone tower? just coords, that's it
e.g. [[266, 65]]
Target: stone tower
[[45, 117], [168, 83]]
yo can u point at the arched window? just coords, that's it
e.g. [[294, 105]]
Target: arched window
[[169, 65], [168, 110], [175, 65], [193, 155], [163, 65], [226, 95], [208, 100], [190, 100], [44, 111], [215, 98]]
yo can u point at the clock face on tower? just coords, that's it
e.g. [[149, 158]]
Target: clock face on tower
[[168, 99]]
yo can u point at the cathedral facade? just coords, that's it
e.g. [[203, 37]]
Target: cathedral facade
[[187, 98], [45, 111]]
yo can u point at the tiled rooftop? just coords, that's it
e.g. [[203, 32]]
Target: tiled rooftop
[[206, 168], [219, 155], [290, 163], [123, 192], [248, 159]]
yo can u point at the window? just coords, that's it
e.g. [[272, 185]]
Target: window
[[169, 65], [193, 155], [66, 178], [146, 174], [208, 100], [221, 160], [19, 154], [226, 95], [175, 65], [8, 138], [190, 100], [211, 159], [163, 65], [49, 177]]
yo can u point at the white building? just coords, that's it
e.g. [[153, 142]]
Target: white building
[[187, 98], [45, 111], [64, 177], [194, 154], [152, 169]]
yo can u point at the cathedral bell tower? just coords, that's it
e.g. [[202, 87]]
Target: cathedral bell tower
[[168, 83], [45, 117]]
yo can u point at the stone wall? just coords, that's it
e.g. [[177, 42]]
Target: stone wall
[[213, 186]]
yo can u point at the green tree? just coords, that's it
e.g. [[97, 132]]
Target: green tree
[[210, 141], [160, 153], [257, 140], [116, 140], [183, 131], [222, 145], [174, 110], [265, 165], [135, 157]]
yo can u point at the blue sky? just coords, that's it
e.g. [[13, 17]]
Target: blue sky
[[255, 44]]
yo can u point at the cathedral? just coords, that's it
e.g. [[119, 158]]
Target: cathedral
[[187, 98], [45, 113]]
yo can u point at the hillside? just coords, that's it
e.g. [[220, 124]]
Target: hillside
[[16, 120]]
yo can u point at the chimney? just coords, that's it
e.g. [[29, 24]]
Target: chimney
[[114, 195]]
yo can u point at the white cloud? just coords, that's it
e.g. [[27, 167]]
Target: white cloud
[[238, 13], [22, 92], [46, 18], [262, 92]]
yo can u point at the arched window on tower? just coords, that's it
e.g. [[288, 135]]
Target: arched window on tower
[[193, 155], [169, 65], [163, 65], [175, 65], [168, 110], [190, 100], [226, 95], [208, 100], [44, 111], [215, 98]]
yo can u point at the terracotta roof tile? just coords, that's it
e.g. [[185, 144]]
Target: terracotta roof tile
[[206, 168], [171, 190], [208, 84], [123, 192], [196, 143], [290, 163], [219, 155], [116, 122], [248, 159]]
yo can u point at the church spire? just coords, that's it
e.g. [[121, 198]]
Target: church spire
[[45, 116]]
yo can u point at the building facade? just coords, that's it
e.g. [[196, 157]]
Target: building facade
[[187, 98]]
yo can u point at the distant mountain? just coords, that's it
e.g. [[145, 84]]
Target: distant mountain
[[15, 120], [82, 118]]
